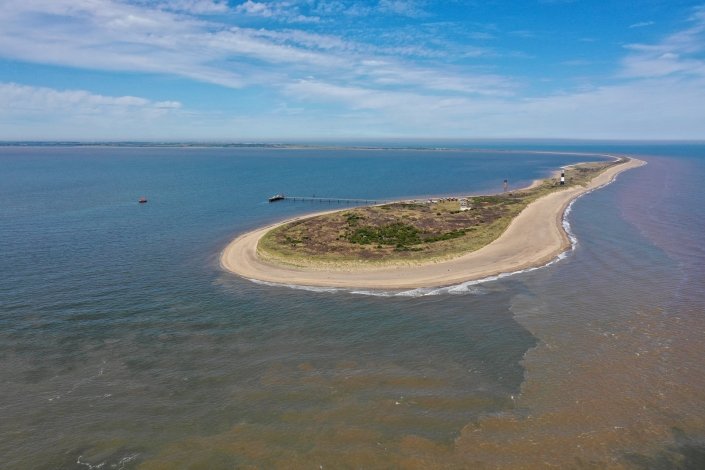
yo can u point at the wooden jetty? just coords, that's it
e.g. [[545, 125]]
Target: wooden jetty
[[329, 200]]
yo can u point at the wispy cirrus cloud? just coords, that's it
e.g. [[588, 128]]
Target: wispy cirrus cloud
[[314, 11], [642, 24], [659, 91], [624, 111], [197, 7], [130, 37], [409, 8], [415, 79], [680, 53], [282, 11], [109, 35], [385, 73]]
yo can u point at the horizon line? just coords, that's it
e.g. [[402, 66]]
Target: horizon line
[[318, 142]]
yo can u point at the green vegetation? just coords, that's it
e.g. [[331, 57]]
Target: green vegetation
[[408, 231], [398, 234]]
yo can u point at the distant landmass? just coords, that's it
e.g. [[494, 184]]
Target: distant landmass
[[214, 145]]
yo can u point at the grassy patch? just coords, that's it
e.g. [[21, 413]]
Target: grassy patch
[[398, 234]]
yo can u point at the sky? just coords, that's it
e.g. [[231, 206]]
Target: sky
[[292, 70]]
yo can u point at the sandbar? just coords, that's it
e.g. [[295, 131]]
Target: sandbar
[[534, 238]]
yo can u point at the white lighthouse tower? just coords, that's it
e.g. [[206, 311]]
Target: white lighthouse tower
[[562, 177]]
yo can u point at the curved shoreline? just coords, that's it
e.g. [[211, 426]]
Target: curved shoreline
[[535, 237]]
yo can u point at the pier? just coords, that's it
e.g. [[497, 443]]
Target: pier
[[329, 200]]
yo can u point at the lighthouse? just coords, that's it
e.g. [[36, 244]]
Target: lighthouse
[[562, 177]]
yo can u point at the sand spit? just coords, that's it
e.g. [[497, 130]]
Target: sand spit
[[534, 238]]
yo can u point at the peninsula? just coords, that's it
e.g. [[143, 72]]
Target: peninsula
[[420, 243]]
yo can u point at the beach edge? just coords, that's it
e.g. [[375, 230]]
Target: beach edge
[[528, 242]]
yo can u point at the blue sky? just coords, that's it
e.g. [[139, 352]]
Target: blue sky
[[294, 70]]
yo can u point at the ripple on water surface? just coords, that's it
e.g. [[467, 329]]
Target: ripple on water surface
[[132, 349]]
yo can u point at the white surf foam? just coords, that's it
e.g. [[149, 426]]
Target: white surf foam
[[297, 287]]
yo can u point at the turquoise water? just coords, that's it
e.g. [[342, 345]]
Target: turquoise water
[[122, 342]]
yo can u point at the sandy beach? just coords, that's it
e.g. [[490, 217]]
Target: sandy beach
[[534, 237]]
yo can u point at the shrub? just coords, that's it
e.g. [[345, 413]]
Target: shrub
[[395, 234]]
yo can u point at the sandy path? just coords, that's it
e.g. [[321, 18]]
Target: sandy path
[[533, 238]]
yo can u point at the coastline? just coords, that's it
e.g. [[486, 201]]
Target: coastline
[[528, 242]]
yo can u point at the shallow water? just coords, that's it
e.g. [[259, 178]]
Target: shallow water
[[123, 343]]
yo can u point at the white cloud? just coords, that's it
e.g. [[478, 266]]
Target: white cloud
[[307, 39], [653, 108], [663, 108], [338, 8], [109, 35], [332, 84], [23, 98], [386, 73], [320, 10], [659, 93], [641, 24], [282, 11], [197, 7], [678, 53], [409, 8], [255, 8], [69, 113]]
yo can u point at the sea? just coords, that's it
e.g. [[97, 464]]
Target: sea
[[125, 345]]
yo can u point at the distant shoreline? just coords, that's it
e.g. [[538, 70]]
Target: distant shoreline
[[534, 237], [451, 146]]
